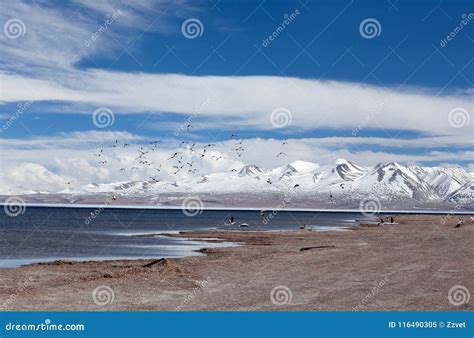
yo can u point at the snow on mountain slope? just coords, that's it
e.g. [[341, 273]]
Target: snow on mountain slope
[[342, 179], [393, 179], [250, 170], [464, 195], [444, 180]]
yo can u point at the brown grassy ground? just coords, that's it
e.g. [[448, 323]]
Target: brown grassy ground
[[406, 266]]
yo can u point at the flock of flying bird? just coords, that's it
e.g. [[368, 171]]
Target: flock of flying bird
[[177, 160]]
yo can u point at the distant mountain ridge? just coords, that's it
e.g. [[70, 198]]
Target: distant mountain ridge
[[340, 184]]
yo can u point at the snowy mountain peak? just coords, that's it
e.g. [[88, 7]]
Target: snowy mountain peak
[[250, 170], [304, 166]]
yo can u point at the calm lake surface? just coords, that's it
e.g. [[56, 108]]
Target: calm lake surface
[[43, 234]]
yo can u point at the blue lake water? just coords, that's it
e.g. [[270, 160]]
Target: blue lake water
[[43, 234]]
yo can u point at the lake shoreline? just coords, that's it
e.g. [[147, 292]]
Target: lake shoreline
[[407, 266]]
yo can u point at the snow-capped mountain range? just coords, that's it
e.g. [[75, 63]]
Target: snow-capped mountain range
[[341, 184]]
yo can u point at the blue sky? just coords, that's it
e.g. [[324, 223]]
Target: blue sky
[[403, 93]]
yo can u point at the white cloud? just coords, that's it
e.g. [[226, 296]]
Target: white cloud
[[313, 104], [27, 177], [55, 34]]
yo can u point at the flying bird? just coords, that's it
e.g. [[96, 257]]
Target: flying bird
[[174, 155]]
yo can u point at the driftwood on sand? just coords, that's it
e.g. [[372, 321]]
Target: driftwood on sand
[[161, 260], [317, 247]]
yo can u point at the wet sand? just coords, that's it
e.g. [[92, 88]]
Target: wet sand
[[407, 266]]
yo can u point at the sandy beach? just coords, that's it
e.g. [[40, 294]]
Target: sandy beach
[[411, 265]]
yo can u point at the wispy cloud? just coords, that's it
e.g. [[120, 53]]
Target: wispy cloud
[[312, 103]]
